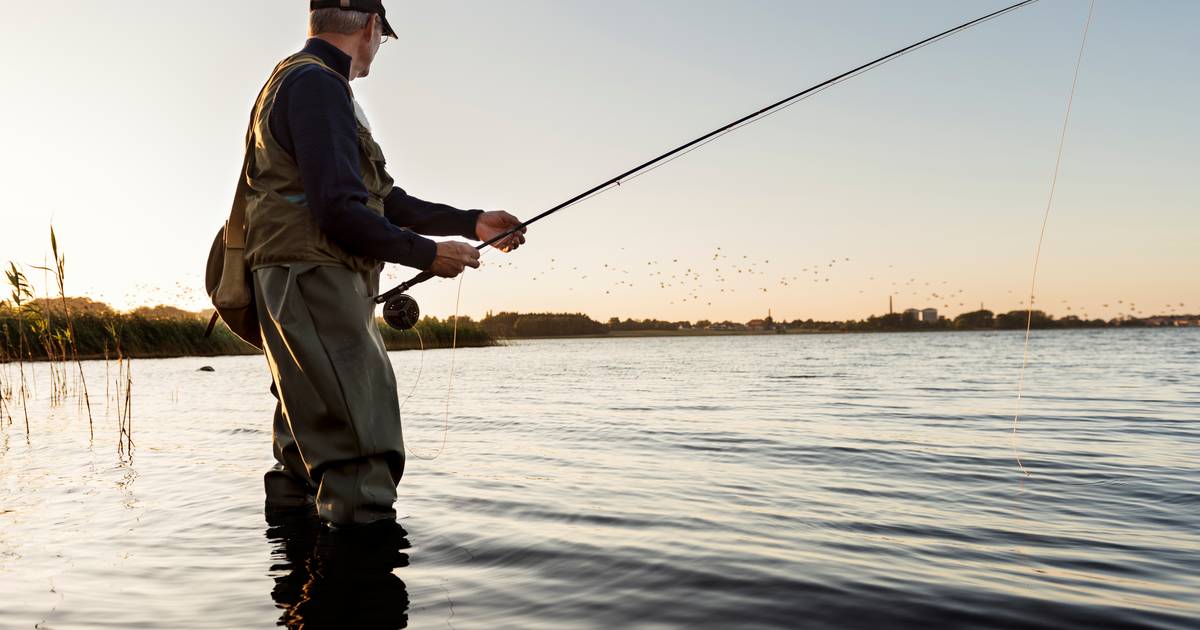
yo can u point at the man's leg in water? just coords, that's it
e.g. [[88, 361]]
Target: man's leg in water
[[287, 483], [336, 388]]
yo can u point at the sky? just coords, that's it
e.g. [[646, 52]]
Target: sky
[[924, 180]]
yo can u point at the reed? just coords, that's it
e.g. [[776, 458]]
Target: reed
[[20, 298], [5, 381], [124, 396], [65, 337]]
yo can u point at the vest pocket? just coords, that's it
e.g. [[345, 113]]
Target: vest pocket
[[373, 170], [370, 148]]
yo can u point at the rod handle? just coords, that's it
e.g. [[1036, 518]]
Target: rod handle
[[410, 283]]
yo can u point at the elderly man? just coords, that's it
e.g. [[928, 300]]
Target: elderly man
[[322, 216]]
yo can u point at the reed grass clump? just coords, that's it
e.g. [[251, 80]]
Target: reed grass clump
[[17, 309], [142, 336], [6, 390], [59, 341], [436, 333]]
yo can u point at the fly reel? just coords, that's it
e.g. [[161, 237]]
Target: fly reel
[[401, 312]]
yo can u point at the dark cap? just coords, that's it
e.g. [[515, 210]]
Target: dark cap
[[364, 6]]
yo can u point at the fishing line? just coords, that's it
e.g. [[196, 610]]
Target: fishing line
[[449, 379], [420, 369], [1062, 140]]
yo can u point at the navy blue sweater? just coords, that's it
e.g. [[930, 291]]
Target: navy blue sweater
[[313, 120]]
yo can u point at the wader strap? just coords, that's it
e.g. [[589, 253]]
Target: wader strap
[[212, 323]]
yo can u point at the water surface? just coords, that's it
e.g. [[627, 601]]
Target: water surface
[[752, 482]]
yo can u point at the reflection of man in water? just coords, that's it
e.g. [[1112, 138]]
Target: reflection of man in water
[[335, 580], [322, 216]]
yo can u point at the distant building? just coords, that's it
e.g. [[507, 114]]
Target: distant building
[[925, 315], [762, 324]]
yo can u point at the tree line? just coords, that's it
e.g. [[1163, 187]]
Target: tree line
[[518, 325]]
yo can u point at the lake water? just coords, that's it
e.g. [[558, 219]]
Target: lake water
[[732, 482]]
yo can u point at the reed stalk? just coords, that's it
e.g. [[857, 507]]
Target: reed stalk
[[60, 273], [127, 431], [5, 382], [106, 378], [124, 396], [6, 388]]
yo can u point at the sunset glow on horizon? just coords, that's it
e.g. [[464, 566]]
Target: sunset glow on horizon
[[923, 181]]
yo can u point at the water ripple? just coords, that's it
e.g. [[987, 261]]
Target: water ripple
[[834, 481]]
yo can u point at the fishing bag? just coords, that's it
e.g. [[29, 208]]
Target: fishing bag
[[227, 278]]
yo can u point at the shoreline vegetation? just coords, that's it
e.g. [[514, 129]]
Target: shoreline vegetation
[[94, 329], [161, 332]]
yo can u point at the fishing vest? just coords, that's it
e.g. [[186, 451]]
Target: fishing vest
[[280, 228]]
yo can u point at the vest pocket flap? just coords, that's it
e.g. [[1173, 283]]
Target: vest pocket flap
[[370, 148]]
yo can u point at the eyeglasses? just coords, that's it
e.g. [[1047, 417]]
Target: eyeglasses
[[383, 38]]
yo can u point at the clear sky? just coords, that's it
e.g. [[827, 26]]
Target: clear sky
[[122, 123]]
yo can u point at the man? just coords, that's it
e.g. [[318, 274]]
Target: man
[[322, 215]]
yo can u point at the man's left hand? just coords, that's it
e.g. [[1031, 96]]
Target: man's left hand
[[494, 223]]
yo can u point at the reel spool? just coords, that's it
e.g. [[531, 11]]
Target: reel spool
[[401, 312]]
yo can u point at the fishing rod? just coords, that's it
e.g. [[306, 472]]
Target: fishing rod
[[401, 311]]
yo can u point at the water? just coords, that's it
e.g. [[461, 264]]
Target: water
[[749, 482]]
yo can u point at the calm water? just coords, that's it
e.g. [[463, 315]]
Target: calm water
[[749, 482]]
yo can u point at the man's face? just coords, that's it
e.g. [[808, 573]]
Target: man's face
[[370, 45]]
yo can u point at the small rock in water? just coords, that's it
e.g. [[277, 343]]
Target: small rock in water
[[207, 368]]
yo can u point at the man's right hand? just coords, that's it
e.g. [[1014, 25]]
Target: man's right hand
[[452, 257]]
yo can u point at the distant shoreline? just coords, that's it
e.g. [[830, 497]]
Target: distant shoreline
[[635, 334], [94, 332], [623, 334]]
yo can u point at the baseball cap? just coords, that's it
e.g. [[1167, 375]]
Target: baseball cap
[[365, 6]]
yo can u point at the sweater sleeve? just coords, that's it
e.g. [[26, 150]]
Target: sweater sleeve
[[323, 136], [426, 217]]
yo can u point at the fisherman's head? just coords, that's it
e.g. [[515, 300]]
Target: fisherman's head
[[358, 27]]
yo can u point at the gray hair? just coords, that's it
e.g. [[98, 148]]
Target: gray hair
[[336, 21]]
